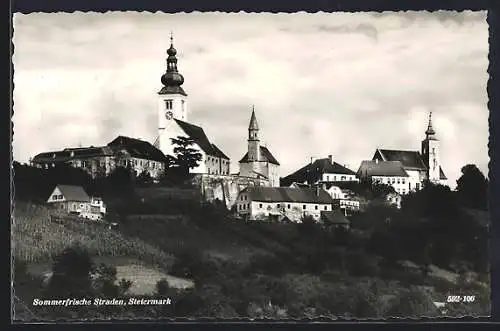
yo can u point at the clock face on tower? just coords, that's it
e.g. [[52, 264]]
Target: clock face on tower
[[169, 115]]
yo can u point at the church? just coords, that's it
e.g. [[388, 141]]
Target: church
[[406, 170], [173, 122], [258, 162]]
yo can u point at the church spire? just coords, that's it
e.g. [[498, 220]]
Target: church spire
[[430, 130], [172, 79], [253, 121]]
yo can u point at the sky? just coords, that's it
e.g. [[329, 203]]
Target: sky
[[340, 84]]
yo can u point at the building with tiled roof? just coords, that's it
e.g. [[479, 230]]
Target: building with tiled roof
[[101, 161], [74, 200], [258, 162], [406, 170], [173, 123], [324, 170], [276, 203]]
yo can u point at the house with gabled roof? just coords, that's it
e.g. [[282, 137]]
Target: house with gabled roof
[[406, 170], [258, 162], [324, 170], [276, 203], [73, 199]]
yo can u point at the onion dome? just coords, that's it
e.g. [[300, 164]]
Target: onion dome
[[172, 79], [430, 130]]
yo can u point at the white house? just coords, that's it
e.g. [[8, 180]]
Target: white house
[[276, 203], [173, 122], [324, 170], [391, 173], [258, 162], [74, 200]]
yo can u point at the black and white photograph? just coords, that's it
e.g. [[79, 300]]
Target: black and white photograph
[[250, 166]]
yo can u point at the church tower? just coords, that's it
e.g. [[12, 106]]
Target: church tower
[[253, 139], [431, 153], [172, 101]]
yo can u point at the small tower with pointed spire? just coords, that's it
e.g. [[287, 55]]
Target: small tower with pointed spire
[[431, 153], [172, 100], [253, 139]]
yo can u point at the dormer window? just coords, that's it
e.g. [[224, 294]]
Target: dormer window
[[169, 104]]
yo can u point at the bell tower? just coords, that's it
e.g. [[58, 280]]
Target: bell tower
[[431, 153], [172, 101]]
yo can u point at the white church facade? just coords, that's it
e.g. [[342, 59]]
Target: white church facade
[[173, 122], [404, 170]]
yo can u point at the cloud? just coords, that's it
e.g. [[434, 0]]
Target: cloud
[[341, 83]]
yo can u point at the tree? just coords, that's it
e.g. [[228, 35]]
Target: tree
[[186, 157], [472, 187], [144, 178], [71, 274]]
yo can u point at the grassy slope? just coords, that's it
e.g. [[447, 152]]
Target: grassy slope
[[36, 239]]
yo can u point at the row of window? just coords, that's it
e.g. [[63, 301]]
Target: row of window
[[334, 178], [392, 180], [288, 206], [57, 197]]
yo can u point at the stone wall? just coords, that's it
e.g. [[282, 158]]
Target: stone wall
[[224, 187]]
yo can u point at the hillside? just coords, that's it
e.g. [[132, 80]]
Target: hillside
[[37, 237]]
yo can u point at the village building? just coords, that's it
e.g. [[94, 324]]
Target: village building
[[173, 122], [343, 199], [278, 203], [74, 200], [258, 162], [100, 161], [324, 170], [406, 171]]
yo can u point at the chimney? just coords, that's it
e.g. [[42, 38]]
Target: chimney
[[330, 157]]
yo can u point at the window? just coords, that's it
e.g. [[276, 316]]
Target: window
[[248, 206], [278, 205], [168, 104], [326, 208], [402, 181], [289, 206], [334, 178], [393, 180], [316, 207], [399, 181], [304, 207], [327, 178], [342, 178], [183, 105], [260, 205]]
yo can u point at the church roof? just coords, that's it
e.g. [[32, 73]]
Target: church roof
[[442, 176], [200, 138], [265, 156], [409, 159], [172, 90], [288, 194], [314, 171], [137, 148], [370, 168]]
